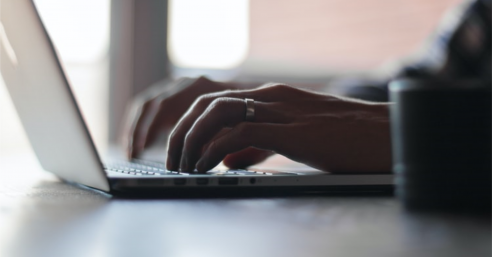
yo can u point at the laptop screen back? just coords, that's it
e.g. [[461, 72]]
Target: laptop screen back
[[42, 97]]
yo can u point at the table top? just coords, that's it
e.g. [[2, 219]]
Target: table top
[[42, 216]]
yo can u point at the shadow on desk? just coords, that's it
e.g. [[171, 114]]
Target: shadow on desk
[[257, 192]]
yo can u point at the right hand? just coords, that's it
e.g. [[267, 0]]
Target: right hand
[[326, 132]]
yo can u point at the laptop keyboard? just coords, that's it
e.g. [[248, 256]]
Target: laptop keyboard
[[137, 167], [140, 167]]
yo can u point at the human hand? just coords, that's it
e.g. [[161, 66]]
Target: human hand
[[158, 109], [326, 132]]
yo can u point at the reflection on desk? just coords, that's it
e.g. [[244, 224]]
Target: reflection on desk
[[42, 216]]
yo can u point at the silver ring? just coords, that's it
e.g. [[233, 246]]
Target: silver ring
[[250, 109]]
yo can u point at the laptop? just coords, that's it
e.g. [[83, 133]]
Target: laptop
[[61, 141]]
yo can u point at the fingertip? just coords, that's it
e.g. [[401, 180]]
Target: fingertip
[[183, 166], [170, 164], [133, 154], [201, 166], [129, 155], [128, 150]]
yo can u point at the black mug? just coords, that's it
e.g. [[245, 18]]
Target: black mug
[[441, 143]]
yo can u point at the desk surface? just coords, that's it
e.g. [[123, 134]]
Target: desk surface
[[41, 216]]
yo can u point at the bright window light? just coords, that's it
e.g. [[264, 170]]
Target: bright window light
[[210, 34], [79, 28]]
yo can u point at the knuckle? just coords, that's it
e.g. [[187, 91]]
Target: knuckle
[[219, 103], [275, 86], [161, 102], [142, 100], [274, 89], [138, 105], [220, 107], [144, 106], [220, 111], [281, 87], [202, 79], [203, 101]]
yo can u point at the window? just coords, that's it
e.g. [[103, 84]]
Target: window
[[297, 37], [208, 34]]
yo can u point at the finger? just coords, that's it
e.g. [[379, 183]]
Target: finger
[[137, 123], [155, 124], [222, 113], [270, 93], [147, 110], [246, 157], [138, 111], [152, 99], [142, 128], [259, 135], [173, 104]]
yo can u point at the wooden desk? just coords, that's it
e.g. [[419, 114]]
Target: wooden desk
[[41, 216]]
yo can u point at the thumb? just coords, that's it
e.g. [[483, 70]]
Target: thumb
[[246, 157]]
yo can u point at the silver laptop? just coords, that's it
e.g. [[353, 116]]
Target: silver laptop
[[58, 134]]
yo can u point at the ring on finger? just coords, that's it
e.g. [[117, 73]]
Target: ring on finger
[[250, 109]]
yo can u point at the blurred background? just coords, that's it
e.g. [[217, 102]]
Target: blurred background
[[114, 49]]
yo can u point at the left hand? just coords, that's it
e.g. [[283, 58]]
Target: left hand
[[326, 132], [157, 109]]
